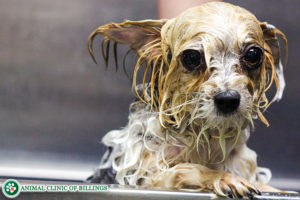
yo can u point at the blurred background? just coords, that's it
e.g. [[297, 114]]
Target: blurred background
[[56, 104]]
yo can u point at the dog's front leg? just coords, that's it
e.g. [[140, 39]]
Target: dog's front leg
[[195, 176]]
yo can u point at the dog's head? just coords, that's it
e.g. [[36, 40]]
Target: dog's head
[[210, 66]]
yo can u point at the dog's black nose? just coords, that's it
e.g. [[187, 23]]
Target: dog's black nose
[[227, 102]]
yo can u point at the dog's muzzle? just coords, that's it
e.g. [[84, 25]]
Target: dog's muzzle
[[227, 102]]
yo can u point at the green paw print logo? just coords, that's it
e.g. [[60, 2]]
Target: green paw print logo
[[11, 188]]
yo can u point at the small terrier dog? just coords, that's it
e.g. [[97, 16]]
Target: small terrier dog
[[205, 75]]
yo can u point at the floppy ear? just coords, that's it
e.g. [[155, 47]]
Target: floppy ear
[[135, 34], [271, 39]]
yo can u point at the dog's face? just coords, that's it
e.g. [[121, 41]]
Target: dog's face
[[211, 66], [218, 56]]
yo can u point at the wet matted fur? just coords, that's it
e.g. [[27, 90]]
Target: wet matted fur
[[176, 138]]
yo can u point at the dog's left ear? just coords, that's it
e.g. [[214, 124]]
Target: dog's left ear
[[271, 39], [136, 34]]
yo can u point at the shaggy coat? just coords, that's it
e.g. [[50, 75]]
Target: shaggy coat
[[176, 138]]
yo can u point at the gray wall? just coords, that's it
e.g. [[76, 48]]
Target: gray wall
[[56, 104]]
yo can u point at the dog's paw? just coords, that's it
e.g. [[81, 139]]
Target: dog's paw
[[235, 187]]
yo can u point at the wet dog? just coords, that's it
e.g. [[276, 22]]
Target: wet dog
[[209, 69]]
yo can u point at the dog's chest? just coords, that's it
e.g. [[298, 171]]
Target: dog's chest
[[145, 127], [211, 151]]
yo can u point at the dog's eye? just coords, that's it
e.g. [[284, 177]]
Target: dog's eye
[[192, 60], [253, 57]]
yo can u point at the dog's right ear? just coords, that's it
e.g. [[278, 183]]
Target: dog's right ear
[[136, 34], [269, 32]]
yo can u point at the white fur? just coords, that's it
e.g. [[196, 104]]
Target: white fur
[[144, 133]]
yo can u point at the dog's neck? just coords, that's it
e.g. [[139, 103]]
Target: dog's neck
[[207, 150]]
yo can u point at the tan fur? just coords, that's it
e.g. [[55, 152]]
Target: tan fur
[[183, 142]]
